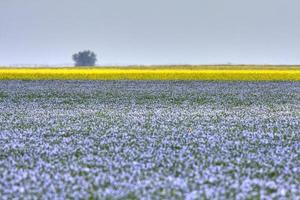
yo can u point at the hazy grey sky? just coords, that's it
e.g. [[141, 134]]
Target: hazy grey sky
[[150, 31]]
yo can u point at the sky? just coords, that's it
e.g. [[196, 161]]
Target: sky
[[145, 32]]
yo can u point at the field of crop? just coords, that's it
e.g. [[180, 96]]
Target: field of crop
[[216, 73], [149, 140]]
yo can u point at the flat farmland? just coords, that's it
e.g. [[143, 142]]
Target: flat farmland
[[189, 72], [64, 139]]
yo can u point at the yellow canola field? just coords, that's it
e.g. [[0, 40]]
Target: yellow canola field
[[149, 74]]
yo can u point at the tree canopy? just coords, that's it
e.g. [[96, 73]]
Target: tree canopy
[[85, 58]]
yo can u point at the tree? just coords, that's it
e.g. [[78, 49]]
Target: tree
[[85, 58]]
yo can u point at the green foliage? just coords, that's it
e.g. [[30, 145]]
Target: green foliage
[[85, 58]]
